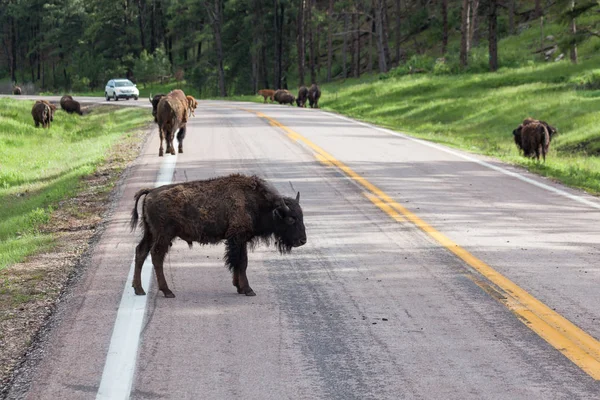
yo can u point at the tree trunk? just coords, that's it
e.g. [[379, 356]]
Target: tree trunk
[[380, 37], [464, 33], [398, 7], [385, 27], [444, 26], [473, 25], [311, 44], [538, 8], [300, 43], [13, 50], [329, 40], [511, 17], [356, 45], [344, 47], [153, 40], [573, 49], [141, 23], [493, 35], [219, 47], [371, 28]]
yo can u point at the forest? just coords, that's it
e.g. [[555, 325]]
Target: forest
[[232, 47]]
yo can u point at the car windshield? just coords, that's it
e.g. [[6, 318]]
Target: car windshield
[[123, 83]]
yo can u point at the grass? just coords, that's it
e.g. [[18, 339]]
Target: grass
[[41, 167]]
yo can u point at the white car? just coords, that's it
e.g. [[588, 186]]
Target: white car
[[120, 89]]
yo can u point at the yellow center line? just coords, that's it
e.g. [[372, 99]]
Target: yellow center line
[[574, 343]]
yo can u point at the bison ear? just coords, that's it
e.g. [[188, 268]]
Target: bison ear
[[298, 197], [277, 213]]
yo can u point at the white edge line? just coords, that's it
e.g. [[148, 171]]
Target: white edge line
[[119, 368], [475, 160]]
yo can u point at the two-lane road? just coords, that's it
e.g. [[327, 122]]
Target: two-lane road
[[425, 276]]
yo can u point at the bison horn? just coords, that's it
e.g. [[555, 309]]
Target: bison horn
[[298, 197], [283, 205]]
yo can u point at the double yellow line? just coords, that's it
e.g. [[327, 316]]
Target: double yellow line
[[577, 345]]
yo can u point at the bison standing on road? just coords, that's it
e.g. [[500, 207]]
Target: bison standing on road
[[314, 93], [240, 210], [17, 90], [154, 100], [267, 94], [302, 96], [282, 96], [171, 116], [42, 114]]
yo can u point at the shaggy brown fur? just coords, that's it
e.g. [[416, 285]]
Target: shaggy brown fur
[[267, 93], [314, 93], [283, 96], [192, 105], [41, 113], [154, 100], [64, 99], [17, 90], [240, 210], [535, 140], [302, 96], [52, 108], [172, 117], [518, 136], [71, 106]]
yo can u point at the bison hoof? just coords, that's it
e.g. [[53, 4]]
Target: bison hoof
[[169, 294], [250, 293], [160, 153], [139, 291], [247, 291], [180, 150]]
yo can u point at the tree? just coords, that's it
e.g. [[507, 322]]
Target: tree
[[464, 33], [493, 34]]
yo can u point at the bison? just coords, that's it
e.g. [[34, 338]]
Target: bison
[[154, 100], [64, 99], [314, 93], [267, 93], [52, 108], [240, 210], [71, 106], [520, 140], [171, 116], [282, 96], [192, 105], [302, 96], [17, 90], [42, 114], [535, 140]]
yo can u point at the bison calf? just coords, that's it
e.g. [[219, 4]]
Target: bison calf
[[267, 94], [302, 96], [314, 93], [240, 210], [192, 105]]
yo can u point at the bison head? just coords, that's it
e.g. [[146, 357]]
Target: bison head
[[289, 224], [155, 100]]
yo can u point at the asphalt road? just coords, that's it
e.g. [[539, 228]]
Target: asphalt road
[[374, 306]]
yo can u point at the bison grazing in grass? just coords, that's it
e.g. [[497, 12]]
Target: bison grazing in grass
[[302, 96], [282, 96], [64, 99], [240, 210], [192, 105], [69, 105], [267, 94], [533, 137], [17, 90], [171, 116], [314, 93], [154, 100], [42, 113]]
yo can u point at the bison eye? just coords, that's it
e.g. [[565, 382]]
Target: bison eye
[[290, 220]]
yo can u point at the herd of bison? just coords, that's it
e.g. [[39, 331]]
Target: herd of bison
[[239, 210]]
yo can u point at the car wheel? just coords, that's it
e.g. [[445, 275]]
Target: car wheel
[[106, 95], [115, 98]]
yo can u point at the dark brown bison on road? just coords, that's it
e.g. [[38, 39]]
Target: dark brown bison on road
[[154, 100], [302, 96], [283, 96], [171, 116], [240, 210], [42, 114], [314, 93]]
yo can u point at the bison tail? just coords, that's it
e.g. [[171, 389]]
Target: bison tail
[[134, 213]]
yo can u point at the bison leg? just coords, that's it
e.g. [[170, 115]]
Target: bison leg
[[141, 252], [158, 252], [180, 137], [162, 137], [237, 260]]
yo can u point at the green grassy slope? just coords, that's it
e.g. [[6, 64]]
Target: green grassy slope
[[40, 167]]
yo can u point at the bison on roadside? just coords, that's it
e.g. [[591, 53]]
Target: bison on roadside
[[314, 93], [42, 114], [192, 105], [535, 140], [283, 96], [267, 94], [240, 210], [17, 90], [171, 116], [52, 108], [71, 106], [520, 139], [154, 101], [64, 99], [302, 96]]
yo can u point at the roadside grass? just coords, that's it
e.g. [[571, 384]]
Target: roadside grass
[[41, 167]]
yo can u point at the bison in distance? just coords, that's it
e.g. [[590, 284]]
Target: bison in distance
[[533, 138], [314, 93], [282, 96], [171, 116], [302, 97], [240, 210]]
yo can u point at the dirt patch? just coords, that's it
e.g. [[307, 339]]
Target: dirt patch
[[30, 291]]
